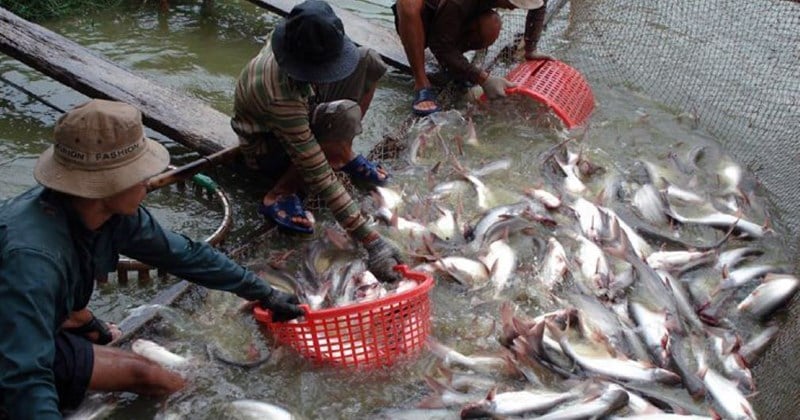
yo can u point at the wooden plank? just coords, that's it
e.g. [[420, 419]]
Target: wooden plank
[[363, 32], [186, 120], [134, 323]]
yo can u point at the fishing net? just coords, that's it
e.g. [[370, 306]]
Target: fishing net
[[733, 69]]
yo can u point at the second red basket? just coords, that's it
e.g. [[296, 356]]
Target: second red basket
[[369, 334]]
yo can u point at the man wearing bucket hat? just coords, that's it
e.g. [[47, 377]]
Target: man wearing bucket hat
[[298, 105], [450, 28], [57, 238]]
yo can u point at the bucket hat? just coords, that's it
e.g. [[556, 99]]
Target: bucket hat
[[311, 46], [99, 150], [527, 4]]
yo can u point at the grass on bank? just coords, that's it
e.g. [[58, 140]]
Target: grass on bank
[[42, 10]]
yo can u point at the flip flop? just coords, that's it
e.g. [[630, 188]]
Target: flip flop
[[289, 206], [362, 171], [424, 95]]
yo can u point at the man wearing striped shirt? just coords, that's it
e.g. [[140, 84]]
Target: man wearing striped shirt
[[298, 105]]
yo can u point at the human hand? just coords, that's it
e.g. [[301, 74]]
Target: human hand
[[84, 323], [284, 306], [383, 256], [495, 87]]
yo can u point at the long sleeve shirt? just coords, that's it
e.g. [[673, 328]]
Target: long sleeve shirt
[[445, 29], [268, 101], [49, 261]]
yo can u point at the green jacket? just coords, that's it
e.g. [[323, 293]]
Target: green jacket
[[48, 264]]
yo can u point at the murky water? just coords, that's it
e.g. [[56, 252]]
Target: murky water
[[200, 51]]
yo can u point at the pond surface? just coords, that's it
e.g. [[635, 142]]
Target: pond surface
[[200, 51]]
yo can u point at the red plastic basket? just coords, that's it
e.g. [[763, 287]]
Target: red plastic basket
[[369, 334], [558, 86]]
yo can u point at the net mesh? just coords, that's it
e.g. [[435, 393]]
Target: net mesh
[[733, 68]]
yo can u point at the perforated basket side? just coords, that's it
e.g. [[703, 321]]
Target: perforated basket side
[[558, 86], [370, 334]]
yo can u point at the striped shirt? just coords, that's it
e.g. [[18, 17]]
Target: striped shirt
[[268, 101]]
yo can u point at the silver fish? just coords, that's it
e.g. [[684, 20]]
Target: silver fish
[[514, 403], [757, 344], [678, 261], [554, 264], [724, 221], [495, 216], [594, 266], [572, 183], [483, 193], [589, 217], [742, 276], [465, 270], [650, 204], [156, 353], [251, 409], [772, 294], [653, 329], [612, 399], [662, 416], [388, 198], [502, 261], [683, 301], [726, 393], [623, 369], [452, 357], [549, 200], [444, 396], [492, 167], [729, 259]]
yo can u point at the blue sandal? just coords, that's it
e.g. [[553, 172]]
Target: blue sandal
[[283, 210], [362, 171], [425, 94]]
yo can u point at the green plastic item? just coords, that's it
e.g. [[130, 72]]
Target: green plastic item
[[205, 182]]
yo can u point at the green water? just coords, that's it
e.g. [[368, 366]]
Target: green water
[[199, 51]]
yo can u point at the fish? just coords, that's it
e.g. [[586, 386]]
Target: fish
[[742, 276], [415, 414], [94, 407], [612, 399], [502, 260], [770, 295], [252, 409], [388, 198], [549, 200], [554, 264], [156, 353], [445, 227], [662, 416], [451, 357], [678, 261], [745, 229], [444, 396], [572, 183], [650, 204], [483, 193], [492, 167], [465, 270], [725, 392], [730, 258], [515, 403], [589, 217], [756, 344], [606, 366], [653, 329], [594, 266]]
